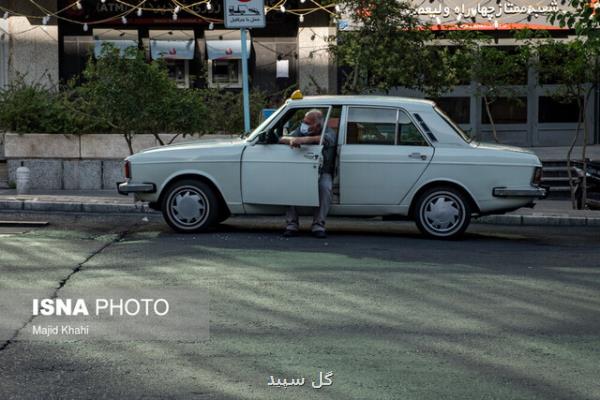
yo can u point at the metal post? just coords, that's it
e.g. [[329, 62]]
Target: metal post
[[245, 82]]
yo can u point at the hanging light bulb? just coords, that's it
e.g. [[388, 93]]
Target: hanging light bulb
[[338, 8], [124, 20], [78, 5], [211, 26], [301, 18], [302, 1], [438, 20], [103, 1], [139, 12], [85, 27], [459, 17], [45, 20], [177, 9], [5, 16], [282, 8], [209, 6], [174, 16], [496, 24]]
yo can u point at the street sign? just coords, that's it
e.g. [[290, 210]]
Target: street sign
[[245, 14]]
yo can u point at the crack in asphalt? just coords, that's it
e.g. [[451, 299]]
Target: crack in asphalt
[[63, 282]]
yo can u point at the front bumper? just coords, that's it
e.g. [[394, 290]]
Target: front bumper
[[125, 188], [534, 192]]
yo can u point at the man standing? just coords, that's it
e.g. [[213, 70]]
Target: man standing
[[309, 132]]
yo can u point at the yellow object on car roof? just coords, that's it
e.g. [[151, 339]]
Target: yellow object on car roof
[[297, 95]]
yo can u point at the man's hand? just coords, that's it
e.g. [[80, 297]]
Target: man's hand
[[297, 142]]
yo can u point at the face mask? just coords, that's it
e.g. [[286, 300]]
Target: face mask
[[304, 128]]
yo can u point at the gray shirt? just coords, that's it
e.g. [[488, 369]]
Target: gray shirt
[[329, 149]]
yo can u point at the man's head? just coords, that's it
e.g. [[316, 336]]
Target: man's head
[[313, 120]]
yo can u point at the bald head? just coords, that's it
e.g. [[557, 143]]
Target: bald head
[[314, 119]]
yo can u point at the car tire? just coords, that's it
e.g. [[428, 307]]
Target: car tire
[[190, 206], [442, 212]]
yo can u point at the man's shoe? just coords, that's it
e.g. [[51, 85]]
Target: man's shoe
[[319, 234], [290, 233]]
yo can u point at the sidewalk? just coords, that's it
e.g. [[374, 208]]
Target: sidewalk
[[546, 212]]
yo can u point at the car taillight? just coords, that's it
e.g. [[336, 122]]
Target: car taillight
[[127, 170], [537, 176]]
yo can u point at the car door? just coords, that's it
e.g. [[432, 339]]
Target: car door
[[277, 174], [382, 158]]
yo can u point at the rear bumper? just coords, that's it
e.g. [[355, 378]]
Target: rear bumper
[[534, 192], [125, 188]]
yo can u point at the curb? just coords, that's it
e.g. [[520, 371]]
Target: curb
[[108, 208], [539, 220], [142, 208]]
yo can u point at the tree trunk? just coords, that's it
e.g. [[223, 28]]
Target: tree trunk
[[571, 147], [129, 140], [159, 139], [489, 114]]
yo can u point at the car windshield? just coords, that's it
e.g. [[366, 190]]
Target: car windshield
[[250, 136], [465, 136]]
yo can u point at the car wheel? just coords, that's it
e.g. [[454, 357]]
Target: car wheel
[[443, 213], [190, 206]]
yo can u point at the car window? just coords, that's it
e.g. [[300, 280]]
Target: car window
[[409, 135], [367, 125], [291, 121]]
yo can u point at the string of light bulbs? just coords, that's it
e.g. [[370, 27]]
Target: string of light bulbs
[[178, 7]]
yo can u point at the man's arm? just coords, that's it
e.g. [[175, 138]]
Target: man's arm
[[298, 141]]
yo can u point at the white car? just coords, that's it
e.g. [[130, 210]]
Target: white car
[[395, 158]]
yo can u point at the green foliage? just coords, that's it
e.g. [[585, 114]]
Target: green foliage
[[390, 49], [34, 108], [124, 95]]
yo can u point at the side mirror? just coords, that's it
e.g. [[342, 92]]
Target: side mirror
[[268, 137]]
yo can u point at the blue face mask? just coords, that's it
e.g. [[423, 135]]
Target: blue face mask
[[304, 129]]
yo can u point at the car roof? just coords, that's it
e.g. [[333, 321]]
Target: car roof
[[371, 100]]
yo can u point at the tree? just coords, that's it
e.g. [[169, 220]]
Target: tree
[[571, 65], [584, 17], [390, 48], [495, 70]]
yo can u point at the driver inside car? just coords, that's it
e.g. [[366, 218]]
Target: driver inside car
[[309, 132]]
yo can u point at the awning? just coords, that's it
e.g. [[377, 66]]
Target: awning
[[226, 49], [120, 39], [172, 44], [172, 49]]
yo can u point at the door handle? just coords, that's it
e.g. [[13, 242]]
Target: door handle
[[311, 155], [418, 155]]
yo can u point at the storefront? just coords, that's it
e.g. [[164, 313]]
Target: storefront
[[530, 117], [198, 50]]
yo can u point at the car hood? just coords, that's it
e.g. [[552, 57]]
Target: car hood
[[205, 149]]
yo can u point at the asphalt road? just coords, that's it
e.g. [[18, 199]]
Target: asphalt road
[[509, 312]]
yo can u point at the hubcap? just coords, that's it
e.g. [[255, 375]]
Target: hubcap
[[442, 213], [188, 206]]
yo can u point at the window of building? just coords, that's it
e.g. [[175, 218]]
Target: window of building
[[458, 108], [224, 50], [225, 73], [177, 49], [506, 111], [553, 111]]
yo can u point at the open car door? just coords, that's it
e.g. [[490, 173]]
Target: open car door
[[280, 175]]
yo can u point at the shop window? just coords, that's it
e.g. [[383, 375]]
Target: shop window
[[458, 108], [225, 73], [179, 71], [506, 111], [554, 111]]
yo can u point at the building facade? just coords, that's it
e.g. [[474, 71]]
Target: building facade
[[287, 53]]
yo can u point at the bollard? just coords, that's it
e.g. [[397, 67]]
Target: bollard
[[23, 175]]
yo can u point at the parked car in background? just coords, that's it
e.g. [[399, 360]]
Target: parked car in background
[[396, 158]]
